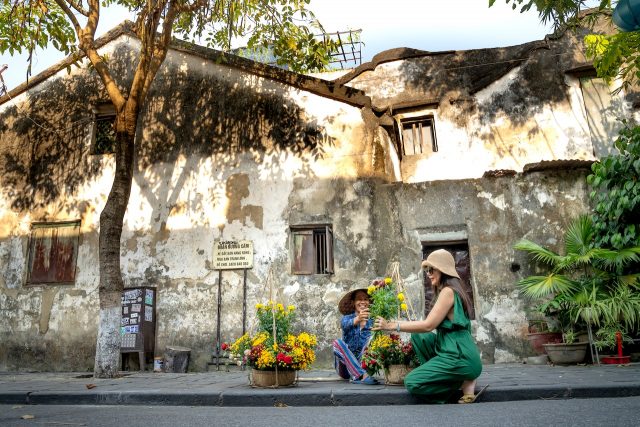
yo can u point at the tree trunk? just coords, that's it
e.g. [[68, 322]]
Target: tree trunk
[[107, 361]]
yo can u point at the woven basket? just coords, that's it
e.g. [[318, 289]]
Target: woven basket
[[268, 378], [394, 374]]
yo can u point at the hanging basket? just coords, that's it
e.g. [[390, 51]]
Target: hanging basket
[[394, 374], [268, 378]]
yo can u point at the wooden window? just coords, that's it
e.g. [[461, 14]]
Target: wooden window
[[105, 134], [460, 252], [312, 249], [53, 251], [418, 136]]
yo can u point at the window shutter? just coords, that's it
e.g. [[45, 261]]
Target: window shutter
[[303, 252], [329, 249]]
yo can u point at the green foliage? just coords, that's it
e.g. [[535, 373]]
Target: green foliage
[[606, 338], [613, 55], [616, 193], [557, 12], [271, 314], [385, 350], [384, 300], [586, 285], [286, 26], [29, 24]]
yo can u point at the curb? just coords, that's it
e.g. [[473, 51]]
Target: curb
[[300, 397]]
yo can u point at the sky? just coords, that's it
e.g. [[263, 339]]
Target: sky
[[432, 25]]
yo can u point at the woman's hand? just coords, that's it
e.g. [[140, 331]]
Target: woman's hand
[[380, 324]]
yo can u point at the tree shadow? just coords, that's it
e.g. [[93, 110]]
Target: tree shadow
[[199, 116]]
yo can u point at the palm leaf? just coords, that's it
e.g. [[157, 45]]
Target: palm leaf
[[622, 257], [541, 286], [539, 253], [579, 235]]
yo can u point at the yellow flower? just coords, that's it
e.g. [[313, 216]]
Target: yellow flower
[[371, 289], [307, 340], [387, 280], [291, 308], [266, 360], [400, 297], [403, 307], [280, 307], [260, 338], [259, 306]]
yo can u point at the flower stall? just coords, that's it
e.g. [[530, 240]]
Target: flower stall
[[274, 354]]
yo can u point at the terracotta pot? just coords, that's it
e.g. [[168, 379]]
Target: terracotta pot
[[538, 339], [566, 354], [268, 378], [395, 374]]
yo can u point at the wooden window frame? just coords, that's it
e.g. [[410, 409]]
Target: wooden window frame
[[312, 249], [66, 253], [404, 122]]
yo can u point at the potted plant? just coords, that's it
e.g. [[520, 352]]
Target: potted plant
[[539, 334], [585, 285], [273, 353]]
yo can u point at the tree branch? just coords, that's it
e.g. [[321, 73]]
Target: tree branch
[[74, 21], [78, 7], [86, 42]]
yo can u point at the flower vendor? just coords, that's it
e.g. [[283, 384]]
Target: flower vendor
[[356, 333], [449, 358]]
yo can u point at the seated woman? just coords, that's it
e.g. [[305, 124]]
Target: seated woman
[[449, 358], [356, 332]]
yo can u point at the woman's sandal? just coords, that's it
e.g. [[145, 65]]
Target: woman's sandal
[[470, 398]]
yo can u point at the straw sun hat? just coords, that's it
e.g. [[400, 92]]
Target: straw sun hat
[[346, 306], [443, 261]]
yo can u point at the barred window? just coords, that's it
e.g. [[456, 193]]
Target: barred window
[[418, 136], [105, 134], [312, 249]]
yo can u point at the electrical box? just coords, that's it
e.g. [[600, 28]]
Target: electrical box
[[138, 322]]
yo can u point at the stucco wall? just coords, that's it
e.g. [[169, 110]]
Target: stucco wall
[[225, 154], [493, 109]]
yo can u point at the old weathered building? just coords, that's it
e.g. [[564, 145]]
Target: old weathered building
[[333, 181]]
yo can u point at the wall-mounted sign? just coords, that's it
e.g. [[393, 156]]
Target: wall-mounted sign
[[232, 255]]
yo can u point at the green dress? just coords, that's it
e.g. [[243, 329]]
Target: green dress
[[448, 357]]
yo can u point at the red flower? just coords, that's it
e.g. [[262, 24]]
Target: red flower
[[224, 346], [288, 360], [364, 364]]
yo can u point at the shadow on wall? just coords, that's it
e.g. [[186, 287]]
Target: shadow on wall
[[185, 114], [461, 75]]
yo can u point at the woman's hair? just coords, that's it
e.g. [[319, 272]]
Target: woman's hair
[[456, 285]]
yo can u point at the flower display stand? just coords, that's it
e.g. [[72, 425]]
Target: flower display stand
[[394, 374], [260, 378]]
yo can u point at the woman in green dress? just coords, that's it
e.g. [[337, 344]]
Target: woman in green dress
[[449, 358]]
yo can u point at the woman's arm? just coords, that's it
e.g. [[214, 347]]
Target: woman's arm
[[443, 305], [347, 322]]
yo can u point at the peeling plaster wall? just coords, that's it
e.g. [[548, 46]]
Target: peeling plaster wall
[[223, 154], [235, 164], [494, 109], [494, 213]]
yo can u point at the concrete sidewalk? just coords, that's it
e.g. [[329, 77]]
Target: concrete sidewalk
[[507, 382]]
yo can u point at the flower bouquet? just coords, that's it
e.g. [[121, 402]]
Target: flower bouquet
[[390, 353], [268, 351], [386, 302]]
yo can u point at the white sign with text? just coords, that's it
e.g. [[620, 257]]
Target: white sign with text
[[232, 255]]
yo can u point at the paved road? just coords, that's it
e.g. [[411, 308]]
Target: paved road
[[619, 412]]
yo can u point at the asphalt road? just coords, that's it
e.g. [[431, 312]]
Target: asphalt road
[[575, 412]]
